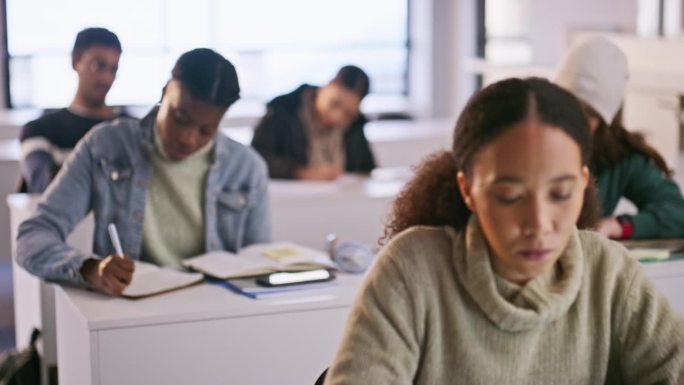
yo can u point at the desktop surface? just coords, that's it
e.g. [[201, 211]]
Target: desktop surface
[[203, 301]]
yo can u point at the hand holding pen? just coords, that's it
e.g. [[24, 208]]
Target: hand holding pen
[[112, 274]]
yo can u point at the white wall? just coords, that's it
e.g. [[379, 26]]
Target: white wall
[[453, 24], [553, 21], [2, 59], [442, 35]]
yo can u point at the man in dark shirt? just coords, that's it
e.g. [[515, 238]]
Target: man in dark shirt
[[48, 140]]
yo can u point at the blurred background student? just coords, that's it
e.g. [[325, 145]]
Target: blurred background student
[[316, 133], [47, 141], [596, 71]]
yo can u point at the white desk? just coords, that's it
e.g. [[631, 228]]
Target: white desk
[[353, 208], [205, 334], [9, 175], [209, 335], [668, 278], [34, 299]]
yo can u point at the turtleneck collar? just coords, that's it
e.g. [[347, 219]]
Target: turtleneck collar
[[509, 306]]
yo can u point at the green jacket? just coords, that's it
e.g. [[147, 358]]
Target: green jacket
[[657, 197]]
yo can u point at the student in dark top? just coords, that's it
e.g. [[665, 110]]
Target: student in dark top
[[596, 71], [46, 141], [316, 133]]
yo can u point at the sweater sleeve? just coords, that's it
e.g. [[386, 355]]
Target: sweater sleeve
[[380, 345], [650, 334], [658, 198]]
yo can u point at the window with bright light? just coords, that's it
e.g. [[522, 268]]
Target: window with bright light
[[275, 45]]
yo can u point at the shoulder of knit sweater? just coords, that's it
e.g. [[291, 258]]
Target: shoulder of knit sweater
[[606, 259], [425, 248], [419, 248]]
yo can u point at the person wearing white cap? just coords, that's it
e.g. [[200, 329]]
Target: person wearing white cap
[[596, 71]]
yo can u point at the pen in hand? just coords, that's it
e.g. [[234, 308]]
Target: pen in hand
[[114, 235]]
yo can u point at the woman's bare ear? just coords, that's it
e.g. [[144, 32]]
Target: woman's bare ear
[[586, 176], [465, 189]]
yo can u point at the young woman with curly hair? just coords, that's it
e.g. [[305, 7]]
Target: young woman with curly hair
[[489, 276]]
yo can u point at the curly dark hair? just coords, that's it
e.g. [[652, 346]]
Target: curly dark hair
[[432, 197]]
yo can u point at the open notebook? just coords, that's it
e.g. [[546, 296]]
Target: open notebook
[[259, 260], [150, 279]]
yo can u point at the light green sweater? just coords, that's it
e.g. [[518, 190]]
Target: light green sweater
[[433, 312], [173, 228]]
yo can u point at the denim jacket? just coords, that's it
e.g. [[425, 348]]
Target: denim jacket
[[109, 172]]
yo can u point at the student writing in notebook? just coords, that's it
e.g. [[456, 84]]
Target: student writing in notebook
[[489, 277], [173, 186], [596, 71]]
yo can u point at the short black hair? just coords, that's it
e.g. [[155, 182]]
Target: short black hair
[[94, 36], [354, 79], [208, 76]]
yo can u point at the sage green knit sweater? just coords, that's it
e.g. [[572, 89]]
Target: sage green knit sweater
[[433, 312]]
